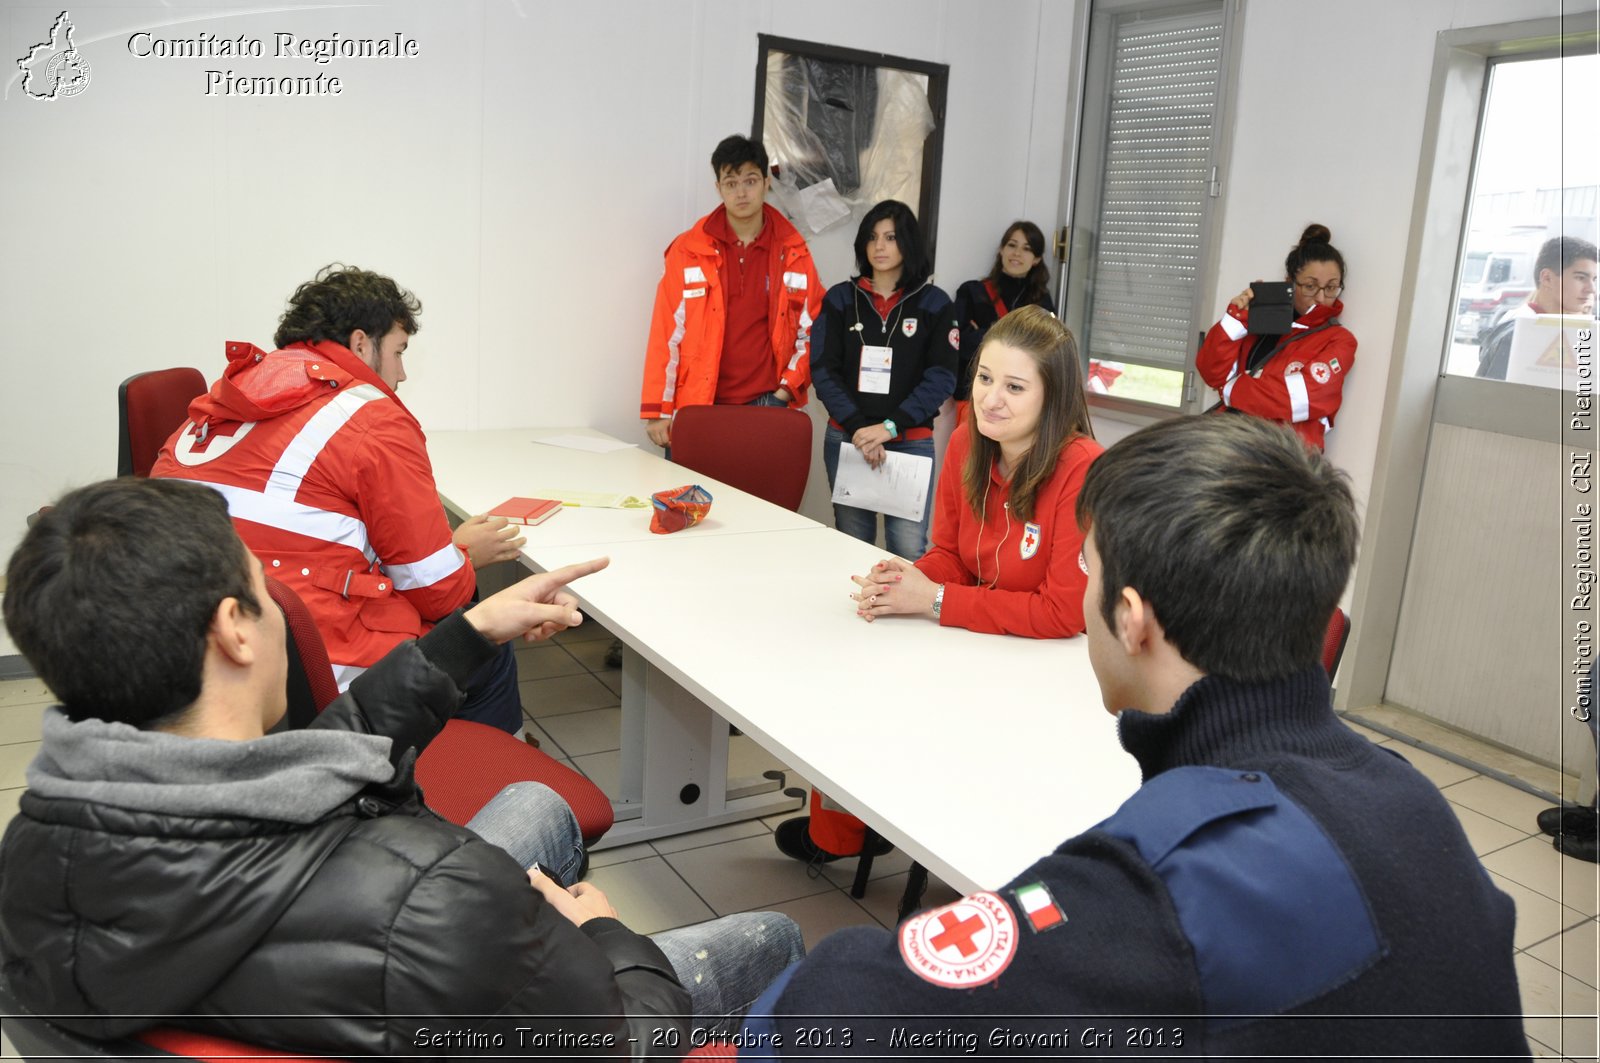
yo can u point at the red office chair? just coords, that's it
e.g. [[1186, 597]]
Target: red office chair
[[150, 407], [39, 1039], [1333, 642], [765, 450], [311, 685], [36, 1038], [466, 765]]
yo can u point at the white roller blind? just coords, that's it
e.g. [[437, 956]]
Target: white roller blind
[[1165, 79]]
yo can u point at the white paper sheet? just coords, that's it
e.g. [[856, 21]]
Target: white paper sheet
[[1549, 349], [592, 444], [593, 499], [898, 487]]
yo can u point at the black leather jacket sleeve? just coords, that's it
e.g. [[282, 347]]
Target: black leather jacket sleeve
[[655, 1002], [527, 971], [410, 694]]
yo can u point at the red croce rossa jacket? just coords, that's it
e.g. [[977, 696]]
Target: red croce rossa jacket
[[685, 347], [329, 484], [1001, 574], [1301, 385]]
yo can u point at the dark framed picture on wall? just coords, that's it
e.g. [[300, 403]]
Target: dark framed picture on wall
[[846, 129]]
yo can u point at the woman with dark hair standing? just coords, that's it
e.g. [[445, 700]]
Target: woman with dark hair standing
[[1007, 548], [1018, 278], [883, 359], [1296, 378]]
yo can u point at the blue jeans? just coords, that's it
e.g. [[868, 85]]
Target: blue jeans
[[536, 826], [908, 538], [727, 963], [492, 695]]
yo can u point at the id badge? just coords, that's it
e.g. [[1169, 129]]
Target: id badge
[[875, 365]]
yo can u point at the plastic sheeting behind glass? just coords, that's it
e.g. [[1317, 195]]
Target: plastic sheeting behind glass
[[843, 136]]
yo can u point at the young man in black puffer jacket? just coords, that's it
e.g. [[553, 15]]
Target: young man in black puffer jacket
[[170, 858]]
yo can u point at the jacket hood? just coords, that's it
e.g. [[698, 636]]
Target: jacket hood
[[259, 385], [293, 777], [146, 816], [1320, 314]]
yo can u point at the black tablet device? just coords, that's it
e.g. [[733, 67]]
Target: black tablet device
[[1271, 308]]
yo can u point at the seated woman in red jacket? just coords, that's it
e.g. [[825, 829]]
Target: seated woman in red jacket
[[1007, 550], [1005, 542], [1295, 379]]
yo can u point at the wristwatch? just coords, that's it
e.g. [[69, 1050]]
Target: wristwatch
[[938, 600], [889, 424]]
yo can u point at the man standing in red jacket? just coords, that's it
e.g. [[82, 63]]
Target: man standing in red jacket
[[733, 312], [328, 481]]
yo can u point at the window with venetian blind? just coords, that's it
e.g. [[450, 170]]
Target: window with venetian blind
[[1154, 111]]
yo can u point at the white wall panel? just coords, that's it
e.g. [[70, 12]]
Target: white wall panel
[[523, 175], [1481, 642]]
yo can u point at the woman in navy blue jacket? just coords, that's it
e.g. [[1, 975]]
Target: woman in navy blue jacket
[[883, 358], [1018, 278]]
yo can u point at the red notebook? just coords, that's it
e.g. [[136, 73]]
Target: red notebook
[[526, 510]]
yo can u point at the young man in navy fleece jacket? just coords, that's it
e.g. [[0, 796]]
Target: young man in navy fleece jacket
[[1279, 886]]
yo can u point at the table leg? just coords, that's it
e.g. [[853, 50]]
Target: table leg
[[911, 899], [674, 763], [869, 845]]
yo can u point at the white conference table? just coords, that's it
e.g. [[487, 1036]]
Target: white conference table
[[975, 754], [682, 785]]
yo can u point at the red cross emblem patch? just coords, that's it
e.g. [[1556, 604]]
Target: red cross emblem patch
[[1030, 540], [198, 445], [1320, 372], [909, 327], [964, 944]]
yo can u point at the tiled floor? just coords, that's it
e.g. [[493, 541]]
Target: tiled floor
[[572, 701], [573, 707]]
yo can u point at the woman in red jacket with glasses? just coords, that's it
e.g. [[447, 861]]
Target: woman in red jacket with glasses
[[1296, 378]]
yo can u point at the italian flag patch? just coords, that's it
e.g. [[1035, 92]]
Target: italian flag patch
[[1041, 909]]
